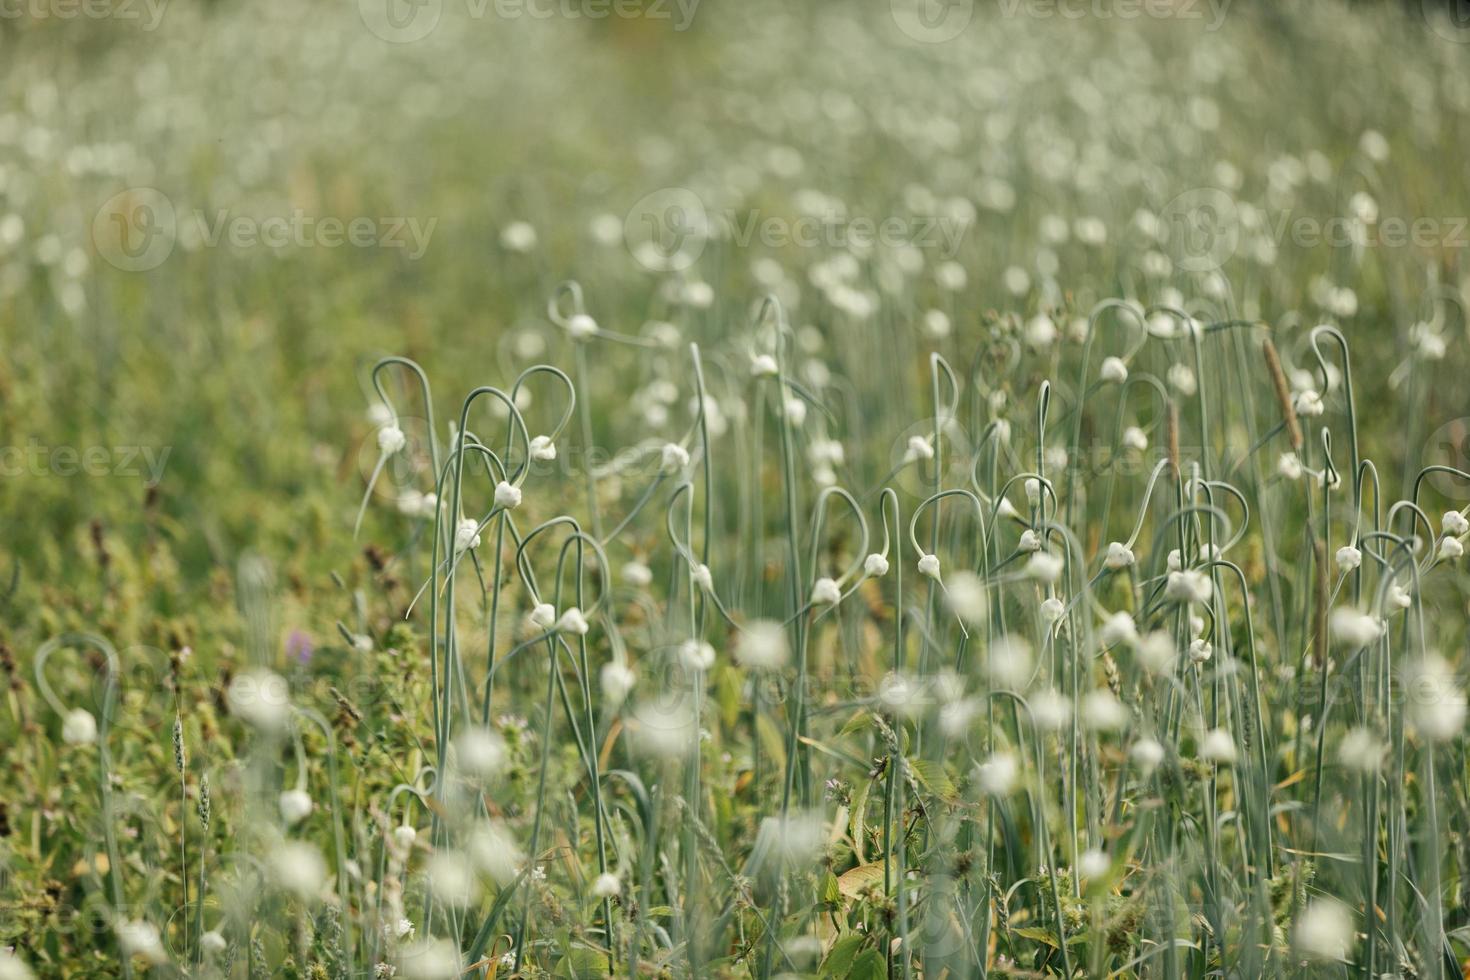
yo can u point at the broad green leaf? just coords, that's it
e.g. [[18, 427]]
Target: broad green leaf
[[839, 959], [933, 777], [869, 966]]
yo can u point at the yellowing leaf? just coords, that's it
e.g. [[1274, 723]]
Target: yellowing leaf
[[857, 880]]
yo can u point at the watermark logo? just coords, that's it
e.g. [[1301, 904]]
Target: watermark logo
[[932, 21], [400, 21], [1203, 228], [1450, 19], [136, 229], [1449, 445], [666, 231], [913, 453]]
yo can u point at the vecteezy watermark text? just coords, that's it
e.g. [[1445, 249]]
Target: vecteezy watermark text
[[137, 230], [147, 13], [36, 458], [406, 21], [302, 230], [937, 21], [1211, 12], [669, 228], [1205, 227]]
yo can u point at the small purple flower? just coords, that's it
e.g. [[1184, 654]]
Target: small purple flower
[[299, 647]]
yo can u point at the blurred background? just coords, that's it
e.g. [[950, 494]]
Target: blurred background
[[214, 216]]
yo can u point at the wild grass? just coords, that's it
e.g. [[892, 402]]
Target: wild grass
[[1056, 606]]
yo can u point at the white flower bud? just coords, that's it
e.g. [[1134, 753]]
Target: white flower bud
[[1308, 403], [1217, 746], [1041, 331], [1118, 628], [1101, 711], [507, 496], [572, 621], [966, 597], [1030, 541], [581, 326], [1146, 754], [675, 456], [518, 236], [1399, 596], [479, 752], [79, 727], [1354, 629], [543, 616], [1199, 651], [1044, 567], [1052, 609], [1133, 438], [260, 698], [1324, 931], [763, 366], [542, 448], [1454, 523], [1156, 652], [875, 565], [929, 566], [213, 942], [936, 324], [696, 655], [1450, 549], [617, 681], [1050, 710], [411, 503], [1361, 751], [606, 886], [1093, 863], [466, 535], [138, 938], [1189, 586], [1349, 558], [637, 574], [997, 775], [919, 448], [451, 879], [795, 410], [1436, 703], [956, 716], [1119, 556], [1289, 465], [295, 807], [825, 592], [391, 439], [702, 578], [1114, 370], [404, 837], [762, 646]]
